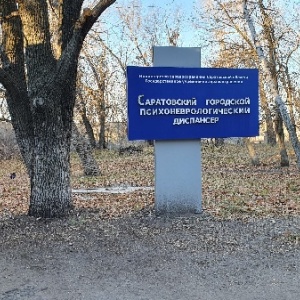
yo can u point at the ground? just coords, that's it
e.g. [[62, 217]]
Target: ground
[[151, 257], [245, 244]]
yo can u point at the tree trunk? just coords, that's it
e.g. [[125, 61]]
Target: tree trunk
[[281, 113], [41, 91], [290, 100], [86, 122], [284, 159], [85, 154], [100, 77], [50, 182], [50, 167], [251, 151], [219, 142], [89, 129], [270, 132], [102, 139]]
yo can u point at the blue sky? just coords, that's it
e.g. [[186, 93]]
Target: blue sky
[[188, 34], [167, 3], [185, 7]]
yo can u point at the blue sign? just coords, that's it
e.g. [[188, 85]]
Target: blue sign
[[167, 103]]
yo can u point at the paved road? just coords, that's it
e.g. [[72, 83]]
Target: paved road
[[159, 262]]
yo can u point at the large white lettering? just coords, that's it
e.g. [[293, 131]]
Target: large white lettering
[[140, 100], [228, 102], [189, 121], [169, 102], [194, 111]]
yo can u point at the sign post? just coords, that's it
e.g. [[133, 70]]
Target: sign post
[[176, 103], [177, 163]]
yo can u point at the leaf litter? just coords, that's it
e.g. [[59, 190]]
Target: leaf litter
[[233, 191]]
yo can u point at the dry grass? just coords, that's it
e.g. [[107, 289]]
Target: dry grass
[[232, 188]]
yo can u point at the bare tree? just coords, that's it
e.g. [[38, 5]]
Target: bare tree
[[140, 30], [270, 71], [84, 150], [236, 48], [100, 74], [81, 107]]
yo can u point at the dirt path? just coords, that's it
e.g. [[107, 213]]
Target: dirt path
[[148, 257]]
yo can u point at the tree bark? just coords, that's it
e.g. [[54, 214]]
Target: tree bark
[[289, 91], [86, 122], [102, 139], [89, 130], [284, 160], [270, 132], [219, 142], [85, 154], [50, 182], [252, 152]]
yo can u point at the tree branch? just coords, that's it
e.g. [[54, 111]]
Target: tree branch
[[90, 16], [81, 29]]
